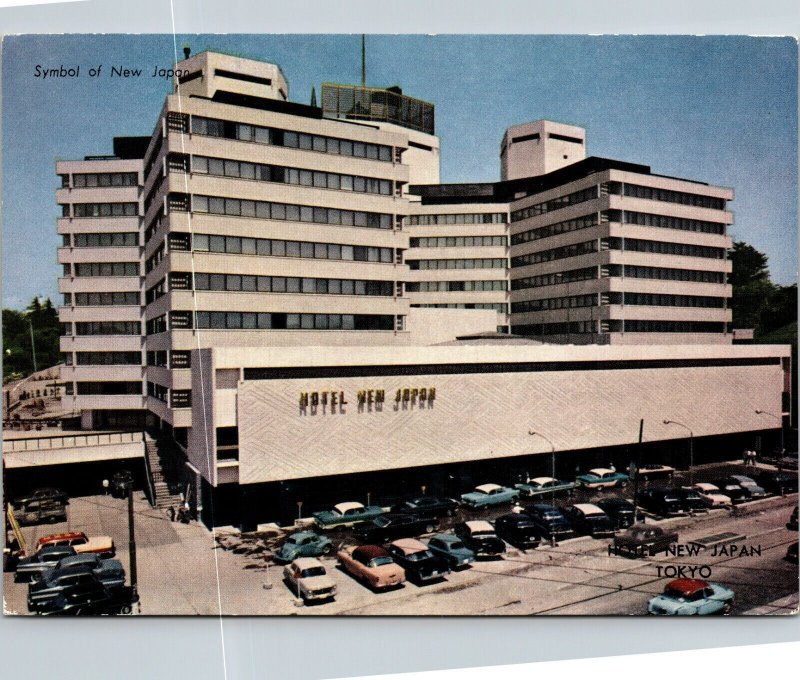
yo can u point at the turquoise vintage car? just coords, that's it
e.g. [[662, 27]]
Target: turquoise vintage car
[[541, 486], [304, 544], [489, 495], [602, 478], [692, 597], [346, 515]]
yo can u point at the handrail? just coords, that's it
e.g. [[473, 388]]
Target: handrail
[[70, 441]]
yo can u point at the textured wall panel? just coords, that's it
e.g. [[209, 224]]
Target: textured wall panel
[[484, 416]]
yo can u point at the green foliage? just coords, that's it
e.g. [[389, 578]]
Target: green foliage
[[17, 355]]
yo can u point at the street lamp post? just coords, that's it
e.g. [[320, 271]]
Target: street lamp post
[[691, 447], [533, 433], [761, 412], [132, 549]]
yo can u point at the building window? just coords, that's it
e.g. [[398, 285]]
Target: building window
[[455, 286], [572, 250], [157, 391], [500, 307], [584, 274], [666, 300], [108, 388], [471, 263], [106, 269], [666, 273], [291, 284], [105, 209], [157, 358], [157, 325], [555, 204], [664, 248], [215, 205], [555, 229], [457, 241], [548, 304], [108, 358], [459, 218], [667, 222], [108, 328], [105, 179], [282, 321], [106, 299], [181, 398], [106, 240], [666, 195], [214, 127]]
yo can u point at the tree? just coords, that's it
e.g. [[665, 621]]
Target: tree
[[42, 317], [749, 265]]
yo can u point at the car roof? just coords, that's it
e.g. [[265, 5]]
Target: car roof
[[409, 545], [687, 586], [705, 486], [350, 505], [486, 488], [447, 538], [479, 525], [542, 480], [68, 535], [370, 552], [589, 508], [599, 471], [307, 562], [82, 558], [303, 534]]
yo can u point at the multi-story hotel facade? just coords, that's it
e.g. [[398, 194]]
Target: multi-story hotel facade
[[299, 271]]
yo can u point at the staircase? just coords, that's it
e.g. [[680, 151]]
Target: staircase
[[165, 468]]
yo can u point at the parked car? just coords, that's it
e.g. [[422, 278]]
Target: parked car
[[545, 486], [691, 501], [393, 525], [121, 483], [373, 565], [44, 511], [602, 478], [590, 520], [109, 572], [346, 515], [56, 581], [489, 495], [43, 494], [643, 540], [417, 560], [428, 507], [91, 599], [517, 529], [102, 545], [712, 496], [737, 494], [452, 550], [303, 544], [307, 577], [620, 510], [791, 553], [778, 482], [781, 459], [692, 597], [35, 565], [791, 525], [661, 502], [655, 471], [550, 521], [480, 537], [750, 485]]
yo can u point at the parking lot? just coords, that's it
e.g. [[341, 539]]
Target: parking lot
[[184, 568]]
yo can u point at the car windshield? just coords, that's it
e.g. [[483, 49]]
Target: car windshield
[[382, 521], [380, 561], [675, 595], [313, 571], [292, 540], [416, 557], [456, 545]]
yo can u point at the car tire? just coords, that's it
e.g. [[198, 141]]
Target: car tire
[[429, 528], [126, 609]]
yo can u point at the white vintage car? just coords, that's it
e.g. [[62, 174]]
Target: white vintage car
[[307, 577], [711, 495]]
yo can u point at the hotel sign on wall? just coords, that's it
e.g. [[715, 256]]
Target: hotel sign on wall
[[367, 400]]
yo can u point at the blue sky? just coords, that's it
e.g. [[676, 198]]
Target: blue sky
[[716, 109]]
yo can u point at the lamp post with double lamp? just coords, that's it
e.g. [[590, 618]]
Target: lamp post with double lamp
[[691, 447], [762, 412]]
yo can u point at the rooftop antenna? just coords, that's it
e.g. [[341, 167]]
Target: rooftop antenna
[[313, 96], [363, 62], [186, 51]]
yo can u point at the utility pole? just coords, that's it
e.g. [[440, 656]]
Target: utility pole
[[132, 548], [33, 346], [636, 470]]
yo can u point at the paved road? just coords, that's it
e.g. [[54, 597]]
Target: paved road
[[182, 570]]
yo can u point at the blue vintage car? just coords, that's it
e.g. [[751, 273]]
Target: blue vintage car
[[489, 495], [346, 515], [541, 486], [692, 597], [602, 478], [452, 550], [304, 544]]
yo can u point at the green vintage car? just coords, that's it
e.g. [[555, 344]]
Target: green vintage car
[[346, 515], [304, 544], [602, 478]]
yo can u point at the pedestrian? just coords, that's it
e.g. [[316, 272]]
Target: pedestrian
[[753, 456], [171, 513], [746, 457]]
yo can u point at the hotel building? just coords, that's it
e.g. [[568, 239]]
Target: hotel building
[[279, 289]]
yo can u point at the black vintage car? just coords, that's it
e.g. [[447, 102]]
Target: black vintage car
[[32, 567], [40, 511], [691, 501], [42, 494], [662, 502], [619, 510], [517, 529], [792, 525], [590, 520], [778, 482], [121, 483], [550, 521], [91, 599], [393, 525], [428, 507], [481, 538], [791, 553], [733, 490], [642, 540], [419, 563]]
